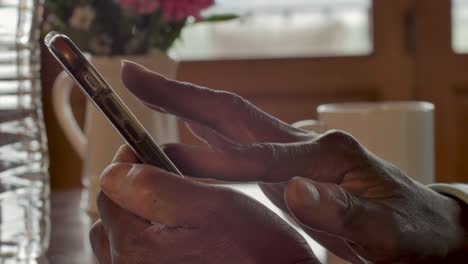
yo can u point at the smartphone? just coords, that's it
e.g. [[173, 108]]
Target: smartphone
[[107, 101]]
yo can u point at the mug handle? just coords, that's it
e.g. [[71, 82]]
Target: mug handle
[[310, 125], [61, 93]]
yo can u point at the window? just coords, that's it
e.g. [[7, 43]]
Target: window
[[281, 28], [460, 26]]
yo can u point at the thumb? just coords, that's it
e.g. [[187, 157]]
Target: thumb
[[329, 208], [156, 195], [316, 205]]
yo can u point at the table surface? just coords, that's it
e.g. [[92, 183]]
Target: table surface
[[69, 241]]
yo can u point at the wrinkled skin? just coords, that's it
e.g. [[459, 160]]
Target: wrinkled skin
[[151, 216], [358, 206]]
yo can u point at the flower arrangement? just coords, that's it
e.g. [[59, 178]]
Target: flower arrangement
[[111, 27]]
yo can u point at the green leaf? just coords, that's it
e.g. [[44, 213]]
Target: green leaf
[[218, 18]]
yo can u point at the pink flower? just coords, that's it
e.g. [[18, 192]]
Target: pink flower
[[173, 10], [141, 6], [177, 10]]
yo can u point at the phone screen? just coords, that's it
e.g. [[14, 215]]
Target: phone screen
[[107, 102]]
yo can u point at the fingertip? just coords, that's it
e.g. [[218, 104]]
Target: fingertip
[[125, 154], [139, 79], [301, 193], [113, 179], [129, 68]]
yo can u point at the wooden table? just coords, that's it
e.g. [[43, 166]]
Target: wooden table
[[69, 241]]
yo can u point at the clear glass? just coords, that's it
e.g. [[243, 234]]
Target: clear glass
[[281, 28], [460, 26], [24, 180]]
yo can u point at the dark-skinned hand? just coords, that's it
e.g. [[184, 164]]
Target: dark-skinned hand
[[152, 216], [355, 204]]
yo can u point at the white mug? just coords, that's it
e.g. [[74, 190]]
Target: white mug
[[97, 144], [399, 132]]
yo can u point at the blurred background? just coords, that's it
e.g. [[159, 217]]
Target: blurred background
[[290, 56]]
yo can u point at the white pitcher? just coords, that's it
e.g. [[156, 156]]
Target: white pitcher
[[97, 144]]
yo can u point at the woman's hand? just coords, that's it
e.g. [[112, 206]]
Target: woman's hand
[[151, 216], [355, 204]]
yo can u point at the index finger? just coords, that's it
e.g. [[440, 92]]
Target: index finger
[[328, 158], [227, 113]]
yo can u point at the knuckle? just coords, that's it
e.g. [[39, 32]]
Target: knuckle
[[340, 139], [216, 119], [261, 151], [230, 105], [276, 153], [347, 209], [229, 98], [173, 84], [273, 151], [273, 161], [336, 135], [267, 154], [232, 102]]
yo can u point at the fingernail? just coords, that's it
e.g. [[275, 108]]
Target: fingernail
[[127, 63], [118, 153], [304, 193]]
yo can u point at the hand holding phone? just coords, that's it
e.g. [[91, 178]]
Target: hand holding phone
[[107, 102]]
